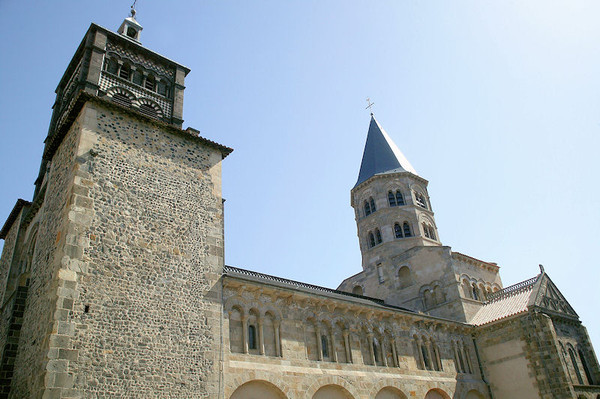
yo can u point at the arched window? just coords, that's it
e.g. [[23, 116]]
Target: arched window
[[436, 354], [575, 367], [373, 209], [251, 337], [112, 66], [375, 351], [420, 200], [397, 230], [150, 83], [163, 88], [461, 361], [404, 277], [428, 231], [391, 198], [371, 240], [432, 233], [138, 77], [585, 367], [406, 228], [438, 294], [427, 299], [380, 273], [125, 71], [425, 230], [467, 289], [475, 292], [468, 360], [426, 359], [378, 236], [324, 347], [367, 208], [357, 290], [399, 198]]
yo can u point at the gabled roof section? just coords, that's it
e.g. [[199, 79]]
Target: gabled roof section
[[505, 303], [381, 155], [550, 299], [538, 292]]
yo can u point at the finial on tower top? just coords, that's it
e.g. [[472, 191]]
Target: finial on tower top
[[130, 27], [369, 105], [133, 9]]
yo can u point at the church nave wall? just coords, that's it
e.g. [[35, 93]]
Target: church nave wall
[[301, 336]]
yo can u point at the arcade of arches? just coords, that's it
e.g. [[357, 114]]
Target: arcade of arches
[[259, 389]]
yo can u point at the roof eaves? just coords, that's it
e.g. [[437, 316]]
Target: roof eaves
[[248, 275], [385, 174], [501, 319], [13, 216]]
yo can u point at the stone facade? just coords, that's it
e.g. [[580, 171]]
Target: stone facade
[[113, 282]]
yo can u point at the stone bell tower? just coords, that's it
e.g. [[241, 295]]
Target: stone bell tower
[[395, 223], [391, 205], [109, 276]]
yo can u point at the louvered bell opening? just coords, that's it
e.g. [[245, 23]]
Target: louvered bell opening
[[148, 111], [121, 99]]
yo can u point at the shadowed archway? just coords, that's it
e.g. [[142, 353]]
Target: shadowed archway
[[258, 389], [390, 393], [332, 392]]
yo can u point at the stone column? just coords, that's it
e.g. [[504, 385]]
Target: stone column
[[456, 359], [319, 346], [428, 345], [277, 339], [371, 350], [395, 353], [419, 356], [438, 359], [261, 337], [347, 346], [178, 89], [245, 333], [468, 364], [333, 354], [383, 354]]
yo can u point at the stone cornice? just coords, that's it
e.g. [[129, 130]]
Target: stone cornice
[[387, 175], [476, 262], [295, 292]]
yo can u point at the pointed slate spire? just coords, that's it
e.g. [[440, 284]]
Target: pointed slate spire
[[381, 155]]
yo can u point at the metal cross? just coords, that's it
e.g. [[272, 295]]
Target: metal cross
[[369, 105]]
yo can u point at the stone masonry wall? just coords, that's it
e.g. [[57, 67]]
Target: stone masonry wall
[[5, 263], [123, 301], [7, 255], [40, 319], [524, 351], [574, 336], [146, 318]]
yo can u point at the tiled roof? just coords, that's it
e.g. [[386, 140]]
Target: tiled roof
[[230, 270], [507, 302]]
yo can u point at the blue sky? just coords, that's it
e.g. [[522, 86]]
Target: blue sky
[[495, 103]]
